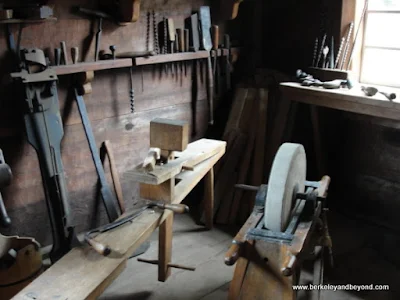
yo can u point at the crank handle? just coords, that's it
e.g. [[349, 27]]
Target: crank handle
[[233, 254], [288, 270]]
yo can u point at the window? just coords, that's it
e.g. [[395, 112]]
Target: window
[[381, 44]]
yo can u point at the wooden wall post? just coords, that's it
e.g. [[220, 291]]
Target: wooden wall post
[[165, 248], [209, 198]]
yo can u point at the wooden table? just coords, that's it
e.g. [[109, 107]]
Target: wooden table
[[352, 100], [84, 274]]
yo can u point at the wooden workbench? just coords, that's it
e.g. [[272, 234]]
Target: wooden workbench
[[84, 274], [352, 100]]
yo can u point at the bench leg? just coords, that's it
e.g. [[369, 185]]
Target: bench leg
[[209, 198], [165, 248]]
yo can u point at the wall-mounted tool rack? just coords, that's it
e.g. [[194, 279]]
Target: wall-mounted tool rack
[[138, 61]]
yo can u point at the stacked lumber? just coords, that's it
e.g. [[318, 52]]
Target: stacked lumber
[[245, 134]]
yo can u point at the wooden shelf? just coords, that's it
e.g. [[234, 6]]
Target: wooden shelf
[[93, 66], [166, 58], [19, 21], [137, 61]]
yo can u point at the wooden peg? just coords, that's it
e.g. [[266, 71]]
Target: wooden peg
[[64, 52]]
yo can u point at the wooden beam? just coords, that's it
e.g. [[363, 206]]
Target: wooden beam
[[93, 66], [165, 248]]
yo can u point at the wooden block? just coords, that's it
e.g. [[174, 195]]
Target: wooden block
[[328, 74], [150, 161], [161, 192], [168, 134], [165, 248]]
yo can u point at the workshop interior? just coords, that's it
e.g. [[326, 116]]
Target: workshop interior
[[205, 150]]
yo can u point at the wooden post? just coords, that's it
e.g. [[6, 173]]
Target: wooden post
[[162, 192], [317, 141], [165, 248], [209, 198]]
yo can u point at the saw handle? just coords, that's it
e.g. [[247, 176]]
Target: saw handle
[[100, 248], [233, 254], [176, 208]]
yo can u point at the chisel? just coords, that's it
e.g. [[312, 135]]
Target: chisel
[[186, 49], [171, 40], [181, 44]]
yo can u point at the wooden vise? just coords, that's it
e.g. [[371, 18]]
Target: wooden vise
[[166, 137]]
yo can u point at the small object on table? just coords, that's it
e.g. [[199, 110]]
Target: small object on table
[[369, 91], [389, 96]]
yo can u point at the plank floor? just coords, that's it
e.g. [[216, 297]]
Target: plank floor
[[357, 258]]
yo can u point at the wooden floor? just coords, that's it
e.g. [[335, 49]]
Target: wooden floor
[[358, 258], [192, 246]]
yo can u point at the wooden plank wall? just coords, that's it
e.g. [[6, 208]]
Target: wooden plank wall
[[109, 111]]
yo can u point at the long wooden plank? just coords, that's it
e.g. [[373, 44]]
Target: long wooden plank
[[92, 273], [164, 58], [351, 100], [93, 66]]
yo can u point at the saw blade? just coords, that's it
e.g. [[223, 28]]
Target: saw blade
[[287, 177]]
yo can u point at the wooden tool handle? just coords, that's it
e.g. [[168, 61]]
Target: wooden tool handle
[[75, 54], [181, 42], [210, 91], [64, 52], [171, 29], [176, 208], [232, 255], [215, 36], [104, 250], [186, 34], [323, 186], [57, 56]]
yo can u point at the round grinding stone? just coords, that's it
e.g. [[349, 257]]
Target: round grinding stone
[[287, 177]]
